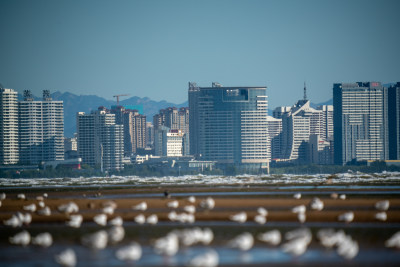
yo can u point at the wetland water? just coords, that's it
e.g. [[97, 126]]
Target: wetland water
[[231, 194]]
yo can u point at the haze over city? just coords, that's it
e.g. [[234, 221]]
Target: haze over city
[[154, 48]]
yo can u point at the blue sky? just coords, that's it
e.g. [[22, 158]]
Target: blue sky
[[154, 48]]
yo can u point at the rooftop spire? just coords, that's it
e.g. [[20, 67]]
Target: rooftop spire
[[305, 91]]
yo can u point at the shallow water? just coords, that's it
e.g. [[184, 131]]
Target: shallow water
[[370, 236]]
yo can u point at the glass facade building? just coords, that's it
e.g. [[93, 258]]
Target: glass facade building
[[229, 124]]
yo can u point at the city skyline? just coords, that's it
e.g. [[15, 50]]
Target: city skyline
[[151, 49]]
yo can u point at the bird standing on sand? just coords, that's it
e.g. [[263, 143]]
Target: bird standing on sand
[[346, 217], [140, 219], [382, 205], [31, 207], [240, 217], [173, 204], [68, 208], [191, 199], [189, 209], [141, 206], [316, 204], [381, 216], [297, 196], [100, 219], [207, 203], [75, 221], [152, 219], [44, 212]]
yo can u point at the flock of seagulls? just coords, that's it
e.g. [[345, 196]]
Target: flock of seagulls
[[294, 242]]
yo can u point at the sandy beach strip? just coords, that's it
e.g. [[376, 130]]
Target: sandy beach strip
[[91, 203]]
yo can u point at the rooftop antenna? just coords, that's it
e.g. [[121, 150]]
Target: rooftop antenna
[[305, 91]]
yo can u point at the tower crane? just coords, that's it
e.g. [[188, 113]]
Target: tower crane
[[117, 96]]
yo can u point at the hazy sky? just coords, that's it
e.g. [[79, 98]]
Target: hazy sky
[[154, 48]]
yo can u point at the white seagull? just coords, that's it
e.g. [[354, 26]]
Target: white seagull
[[97, 240], [346, 217], [140, 219], [116, 234], [31, 207], [45, 211], [117, 221], [393, 241], [173, 204], [167, 245], [141, 206], [316, 204], [240, 217], [207, 203], [189, 209], [243, 242], [75, 221], [260, 219], [22, 238], [66, 258], [382, 205], [100, 219], [271, 237], [132, 252], [152, 219], [21, 196], [297, 196], [68, 208], [191, 199], [262, 211], [44, 240], [207, 259], [381, 216]]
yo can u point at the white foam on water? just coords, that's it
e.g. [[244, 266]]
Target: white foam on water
[[342, 178]]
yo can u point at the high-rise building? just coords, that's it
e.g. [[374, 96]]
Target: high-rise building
[[360, 119], [100, 140], [169, 143], [149, 135], [229, 124], [274, 137], [174, 119], [9, 149], [394, 121], [134, 128], [41, 129], [279, 111]]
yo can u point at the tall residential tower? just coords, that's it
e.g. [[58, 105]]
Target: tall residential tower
[[41, 129], [9, 150], [360, 119]]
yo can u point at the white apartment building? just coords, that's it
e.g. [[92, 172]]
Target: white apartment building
[[274, 137], [41, 129], [9, 150], [100, 140]]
